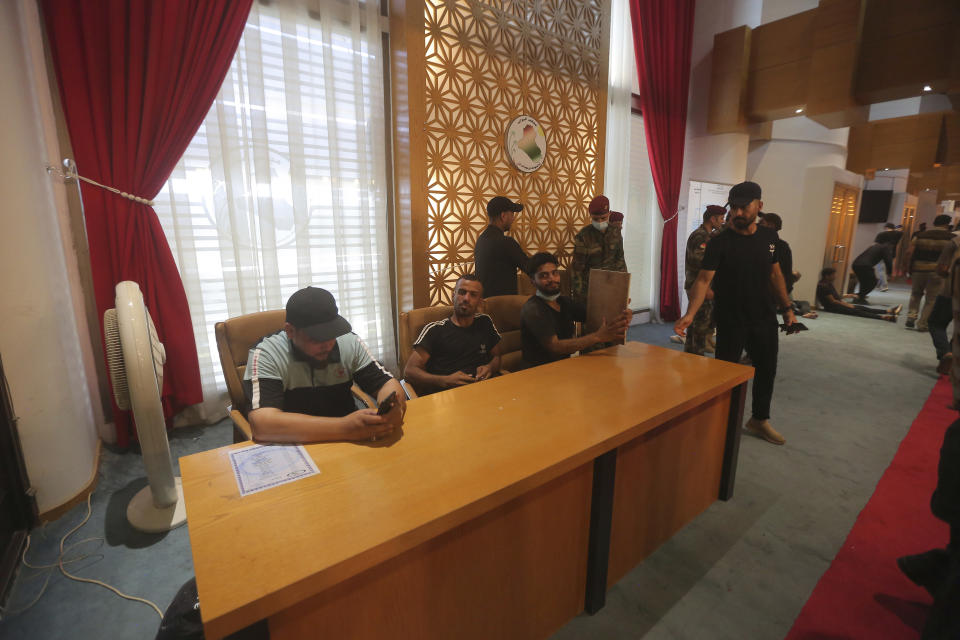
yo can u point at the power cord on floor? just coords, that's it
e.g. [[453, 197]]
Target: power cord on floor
[[61, 563]]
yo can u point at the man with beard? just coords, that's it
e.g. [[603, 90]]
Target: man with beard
[[741, 263], [298, 380], [458, 350], [498, 256], [547, 318]]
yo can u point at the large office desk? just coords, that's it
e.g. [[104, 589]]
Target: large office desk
[[503, 510]]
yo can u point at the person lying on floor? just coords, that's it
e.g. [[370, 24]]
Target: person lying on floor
[[832, 301]]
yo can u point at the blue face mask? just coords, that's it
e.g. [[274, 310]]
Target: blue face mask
[[600, 226], [546, 297]]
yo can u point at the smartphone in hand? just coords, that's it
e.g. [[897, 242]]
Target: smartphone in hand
[[388, 404]]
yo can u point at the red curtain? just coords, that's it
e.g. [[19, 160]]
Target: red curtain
[[663, 34], [136, 80]]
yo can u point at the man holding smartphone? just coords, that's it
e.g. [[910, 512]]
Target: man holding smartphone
[[298, 380], [742, 264]]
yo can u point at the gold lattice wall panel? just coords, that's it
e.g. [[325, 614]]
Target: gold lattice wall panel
[[486, 63]]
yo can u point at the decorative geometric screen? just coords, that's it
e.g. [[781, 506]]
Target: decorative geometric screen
[[486, 63]]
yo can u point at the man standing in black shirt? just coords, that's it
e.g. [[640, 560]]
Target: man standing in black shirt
[[497, 256], [742, 264], [547, 318], [458, 350]]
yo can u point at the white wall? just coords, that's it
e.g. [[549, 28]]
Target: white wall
[[796, 169], [44, 357]]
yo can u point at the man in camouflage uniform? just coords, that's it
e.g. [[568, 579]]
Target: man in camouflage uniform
[[598, 245], [702, 325]]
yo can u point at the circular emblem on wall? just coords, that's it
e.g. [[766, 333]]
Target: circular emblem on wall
[[526, 144]]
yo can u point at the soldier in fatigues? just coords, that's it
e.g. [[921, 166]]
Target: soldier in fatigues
[[598, 245], [702, 325]]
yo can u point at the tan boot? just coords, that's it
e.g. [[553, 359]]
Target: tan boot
[[762, 429]]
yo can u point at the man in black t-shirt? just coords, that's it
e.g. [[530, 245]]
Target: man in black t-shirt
[[547, 318], [863, 265], [832, 301], [497, 256], [458, 350], [742, 264]]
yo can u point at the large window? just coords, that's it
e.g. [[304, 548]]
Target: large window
[[284, 184]]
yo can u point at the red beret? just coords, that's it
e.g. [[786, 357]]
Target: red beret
[[600, 204]]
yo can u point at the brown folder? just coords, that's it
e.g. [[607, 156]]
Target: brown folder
[[607, 297]]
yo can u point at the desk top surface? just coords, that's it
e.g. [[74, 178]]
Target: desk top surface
[[462, 453]]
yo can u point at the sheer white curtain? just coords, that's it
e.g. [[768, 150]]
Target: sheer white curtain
[[626, 174], [284, 185], [622, 71]]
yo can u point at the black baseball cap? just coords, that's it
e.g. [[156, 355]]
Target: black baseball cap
[[499, 204], [314, 311], [743, 194]]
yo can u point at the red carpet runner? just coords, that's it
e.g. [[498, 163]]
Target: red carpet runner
[[863, 594]]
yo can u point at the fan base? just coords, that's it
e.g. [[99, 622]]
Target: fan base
[[143, 515]]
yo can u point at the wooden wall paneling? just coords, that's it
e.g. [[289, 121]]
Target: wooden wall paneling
[[893, 142], [780, 54], [926, 137], [860, 148], [833, 64], [904, 46], [728, 81], [409, 172], [486, 63]]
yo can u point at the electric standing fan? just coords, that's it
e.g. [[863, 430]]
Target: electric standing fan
[[136, 356]]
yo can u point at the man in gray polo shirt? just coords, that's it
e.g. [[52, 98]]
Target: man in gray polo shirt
[[298, 380]]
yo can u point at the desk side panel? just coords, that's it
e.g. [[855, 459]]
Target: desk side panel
[[516, 572], [665, 479]]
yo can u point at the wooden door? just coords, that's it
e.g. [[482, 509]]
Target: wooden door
[[907, 219], [843, 220]]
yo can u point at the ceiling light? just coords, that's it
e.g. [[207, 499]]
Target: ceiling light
[[927, 87], [799, 111], [886, 168]]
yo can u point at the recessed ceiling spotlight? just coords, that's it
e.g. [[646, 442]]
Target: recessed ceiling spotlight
[[886, 168], [799, 111], [927, 87]]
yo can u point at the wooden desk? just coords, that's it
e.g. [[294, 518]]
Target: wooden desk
[[503, 509]]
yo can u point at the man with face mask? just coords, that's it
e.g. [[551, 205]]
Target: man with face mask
[[298, 380], [599, 245], [547, 318], [458, 350], [741, 263]]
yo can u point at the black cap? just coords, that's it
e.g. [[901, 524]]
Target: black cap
[[499, 204], [314, 311], [743, 194]]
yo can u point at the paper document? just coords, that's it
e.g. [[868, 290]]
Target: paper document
[[260, 467]]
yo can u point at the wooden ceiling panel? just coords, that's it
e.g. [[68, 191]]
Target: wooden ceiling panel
[[783, 41]]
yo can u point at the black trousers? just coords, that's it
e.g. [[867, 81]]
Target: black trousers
[[858, 310], [940, 317], [762, 344], [867, 278]]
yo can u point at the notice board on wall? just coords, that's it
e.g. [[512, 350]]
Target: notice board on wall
[[701, 195]]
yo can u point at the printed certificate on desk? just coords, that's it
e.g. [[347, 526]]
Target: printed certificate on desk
[[260, 467]]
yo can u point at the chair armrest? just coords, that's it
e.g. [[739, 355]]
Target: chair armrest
[[241, 428], [363, 397], [408, 388]]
